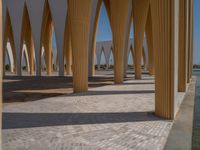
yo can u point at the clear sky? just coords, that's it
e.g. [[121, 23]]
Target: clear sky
[[196, 54], [104, 31]]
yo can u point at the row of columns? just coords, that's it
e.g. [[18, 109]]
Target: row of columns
[[41, 34], [170, 45], [165, 40]]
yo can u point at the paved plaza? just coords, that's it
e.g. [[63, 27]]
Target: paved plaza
[[110, 117]]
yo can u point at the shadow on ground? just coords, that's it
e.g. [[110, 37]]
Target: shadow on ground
[[30, 120], [27, 88]]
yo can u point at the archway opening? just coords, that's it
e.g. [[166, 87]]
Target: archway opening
[[103, 39]]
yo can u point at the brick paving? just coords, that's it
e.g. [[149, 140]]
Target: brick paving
[[112, 117], [196, 121]]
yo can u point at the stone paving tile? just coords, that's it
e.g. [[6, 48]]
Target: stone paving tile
[[115, 117]]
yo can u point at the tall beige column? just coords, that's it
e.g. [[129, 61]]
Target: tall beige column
[[165, 37], [140, 11], [183, 45], [1, 73], [68, 48], [149, 38], [30, 49], [119, 13], [68, 51], [190, 41], [79, 13], [47, 41]]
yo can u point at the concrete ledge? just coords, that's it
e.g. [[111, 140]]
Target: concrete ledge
[[180, 136]]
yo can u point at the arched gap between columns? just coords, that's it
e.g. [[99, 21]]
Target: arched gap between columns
[[103, 28], [8, 37]]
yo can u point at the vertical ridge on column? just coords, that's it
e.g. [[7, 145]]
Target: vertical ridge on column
[[149, 37], [140, 11], [79, 13], [183, 45], [164, 16], [118, 17]]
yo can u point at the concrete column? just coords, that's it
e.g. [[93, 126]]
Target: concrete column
[[107, 6], [1, 73], [30, 49], [149, 38], [119, 11], [165, 37], [140, 11], [48, 46], [190, 40], [68, 50], [183, 45], [79, 13]]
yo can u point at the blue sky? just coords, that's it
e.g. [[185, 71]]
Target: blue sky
[[104, 31], [196, 54]]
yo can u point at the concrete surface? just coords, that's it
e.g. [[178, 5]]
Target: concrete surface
[[110, 117]]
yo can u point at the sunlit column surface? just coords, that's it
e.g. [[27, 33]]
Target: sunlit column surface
[[68, 49], [140, 11], [79, 13], [149, 37], [183, 45], [165, 36], [48, 46], [119, 12]]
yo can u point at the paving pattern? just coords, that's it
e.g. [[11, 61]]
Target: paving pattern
[[112, 117], [196, 121]]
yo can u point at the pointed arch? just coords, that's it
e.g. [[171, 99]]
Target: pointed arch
[[17, 22], [28, 39], [58, 11], [37, 10], [96, 7], [47, 39], [100, 6], [8, 37]]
